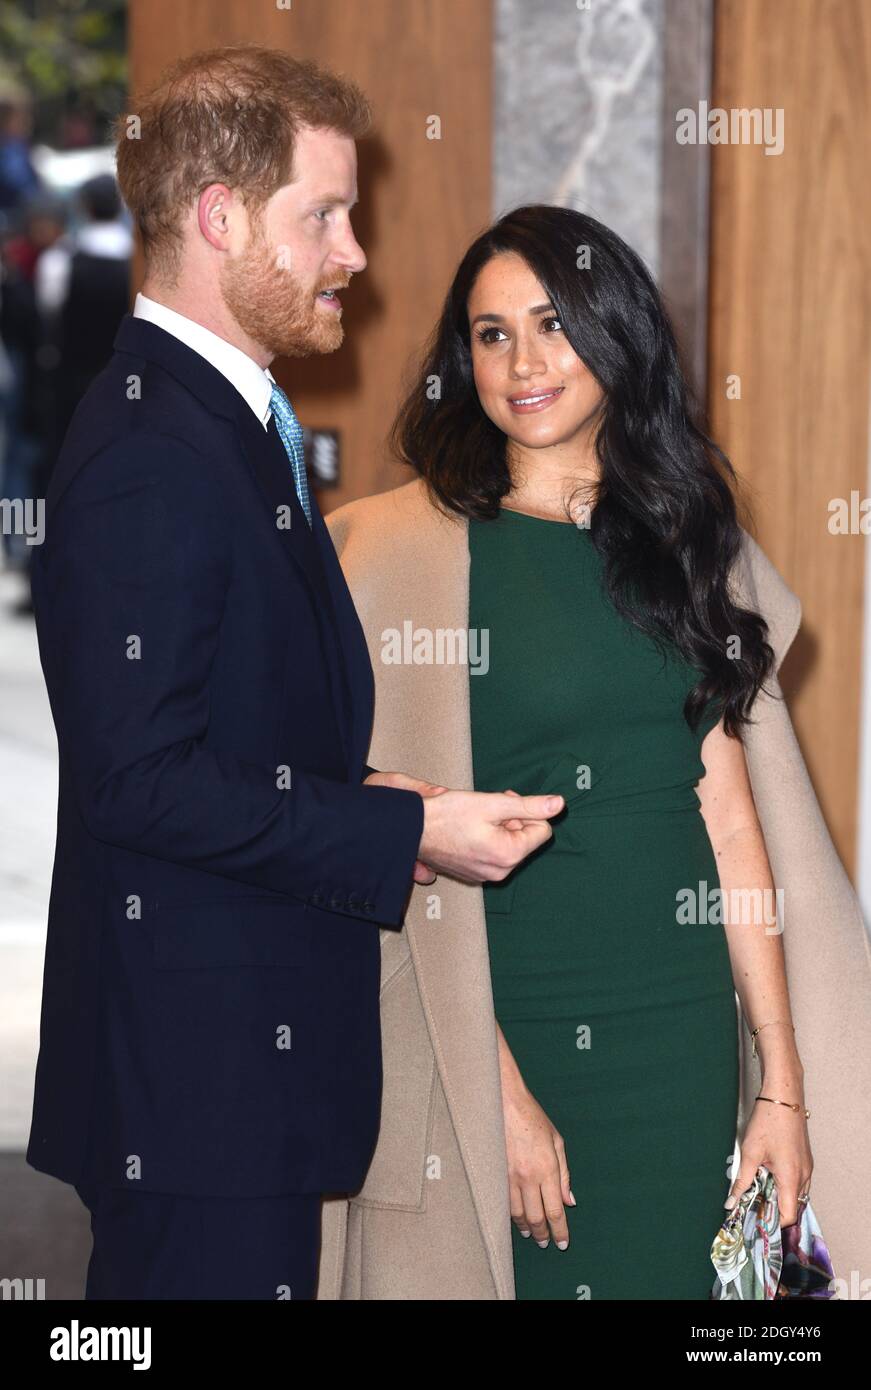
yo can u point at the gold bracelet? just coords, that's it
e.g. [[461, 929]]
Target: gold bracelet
[[766, 1025], [807, 1113]]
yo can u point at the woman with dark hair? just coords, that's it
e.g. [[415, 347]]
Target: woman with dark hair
[[581, 526]]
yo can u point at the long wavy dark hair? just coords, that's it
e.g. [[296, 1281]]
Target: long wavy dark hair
[[664, 519]]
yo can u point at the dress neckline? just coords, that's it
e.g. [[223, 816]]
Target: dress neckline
[[546, 520]]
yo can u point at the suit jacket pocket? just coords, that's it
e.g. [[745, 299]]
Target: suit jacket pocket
[[247, 930]]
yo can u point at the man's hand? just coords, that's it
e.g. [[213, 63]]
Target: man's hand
[[479, 837], [515, 823], [422, 872]]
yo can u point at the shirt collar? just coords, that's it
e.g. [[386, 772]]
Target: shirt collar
[[254, 383]]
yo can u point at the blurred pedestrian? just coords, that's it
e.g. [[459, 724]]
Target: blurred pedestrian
[[82, 293]]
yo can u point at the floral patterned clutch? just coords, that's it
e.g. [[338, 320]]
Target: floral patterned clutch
[[756, 1259]]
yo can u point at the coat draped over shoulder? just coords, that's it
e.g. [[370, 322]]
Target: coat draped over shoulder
[[432, 1219]]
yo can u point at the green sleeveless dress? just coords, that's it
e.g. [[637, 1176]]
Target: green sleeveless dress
[[619, 1011]]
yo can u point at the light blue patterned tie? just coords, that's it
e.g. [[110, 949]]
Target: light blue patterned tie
[[290, 431]]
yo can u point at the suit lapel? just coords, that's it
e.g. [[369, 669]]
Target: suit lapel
[[304, 552], [355, 667], [271, 471], [269, 467]]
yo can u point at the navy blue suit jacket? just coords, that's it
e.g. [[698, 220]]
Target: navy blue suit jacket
[[210, 1000]]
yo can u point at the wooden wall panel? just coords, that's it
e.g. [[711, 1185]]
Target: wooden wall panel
[[421, 201], [790, 314]]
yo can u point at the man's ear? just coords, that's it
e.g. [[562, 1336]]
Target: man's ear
[[218, 215]]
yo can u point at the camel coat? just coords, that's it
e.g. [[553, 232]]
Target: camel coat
[[432, 1220]]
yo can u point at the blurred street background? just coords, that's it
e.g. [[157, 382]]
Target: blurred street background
[[65, 256]]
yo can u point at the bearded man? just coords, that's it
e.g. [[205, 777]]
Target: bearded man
[[210, 1052]]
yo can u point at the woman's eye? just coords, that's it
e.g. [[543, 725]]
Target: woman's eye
[[482, 334], [323, 212]]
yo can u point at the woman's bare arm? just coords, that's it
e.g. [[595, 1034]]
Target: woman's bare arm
[[775, 1135], [755, 945]]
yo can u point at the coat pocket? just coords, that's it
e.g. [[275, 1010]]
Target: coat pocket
[[220, 932], [397, 1173]]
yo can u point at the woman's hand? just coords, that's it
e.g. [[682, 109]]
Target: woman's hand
[[777, 1137], [538, 1173]]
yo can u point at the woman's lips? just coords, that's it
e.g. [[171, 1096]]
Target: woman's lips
[[541, 403]]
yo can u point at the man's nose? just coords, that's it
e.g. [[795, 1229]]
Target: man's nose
[[352, 255]]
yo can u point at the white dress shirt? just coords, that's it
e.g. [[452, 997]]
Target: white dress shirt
[[254, 383]]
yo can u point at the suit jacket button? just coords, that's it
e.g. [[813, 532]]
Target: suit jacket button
[[317, 899], [337, 902], [368, 907]]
